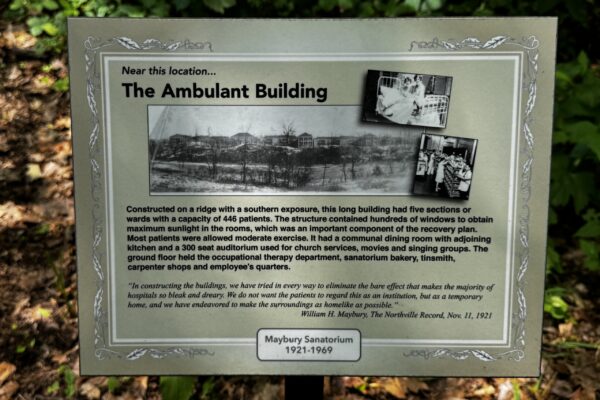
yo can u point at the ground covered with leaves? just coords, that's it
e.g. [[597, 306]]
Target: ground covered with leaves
[[38, 305]]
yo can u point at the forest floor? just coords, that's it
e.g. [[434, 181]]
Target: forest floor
[[38, 306]]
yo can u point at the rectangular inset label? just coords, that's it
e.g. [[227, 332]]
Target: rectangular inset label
[[308, 344]]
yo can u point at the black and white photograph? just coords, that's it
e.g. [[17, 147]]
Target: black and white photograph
[[407, 98], [445, 166], [277, 150]]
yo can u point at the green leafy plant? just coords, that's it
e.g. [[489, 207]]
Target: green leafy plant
[[553, 261], [24, 346], [207, 388], [69, 379], [219, 5], [588, 236], [47, 19], [576, 159], [574, 199], [177, 387], [53, 388], [61, 85], [113, 384], [516, 388], [554, 303]]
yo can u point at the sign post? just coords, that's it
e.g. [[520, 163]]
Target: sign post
[[311, 197]]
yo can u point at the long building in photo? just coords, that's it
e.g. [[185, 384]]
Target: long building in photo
[[277, 149]]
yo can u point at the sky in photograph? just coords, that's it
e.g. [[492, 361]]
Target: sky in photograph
[[262, 120]]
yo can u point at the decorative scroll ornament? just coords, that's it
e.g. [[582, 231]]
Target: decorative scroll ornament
[[92, 46], [136, 354], [529, 45]]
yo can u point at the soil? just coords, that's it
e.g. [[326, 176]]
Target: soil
[[38, 306]]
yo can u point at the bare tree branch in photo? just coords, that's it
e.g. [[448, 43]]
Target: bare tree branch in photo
[[288, 168], [344, 159], [244, 154], [354, 159], [324, 171], [215, 154], [271, 164]]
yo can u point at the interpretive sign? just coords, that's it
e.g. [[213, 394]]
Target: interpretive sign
[[311, 196]]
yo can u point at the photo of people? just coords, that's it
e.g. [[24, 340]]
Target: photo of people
[[407, 98], [445, 166]]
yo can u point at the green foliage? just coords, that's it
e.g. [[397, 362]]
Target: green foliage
[[47, 19], [61, 85], [377, 8], [591, 251], [54, 388], [44, 312], [574, 197], [591, 228], [516, 389], [113, 384], [553, 262], [23, 347], [554, 303], [177, 387], [69, 379], [42, 229], [219, 5], [578, 345], [588, 236], [207, 388], [576, 159]]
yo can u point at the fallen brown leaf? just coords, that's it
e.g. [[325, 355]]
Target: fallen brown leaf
[[583, 394], [21, 304], [90, 391], [354, 382], [62, 123], [6, 370], [562, 389], [487, 390], [140, 385], [37, 157], [8, 390], [416, 385], [565, 330], [505, 391], [18, 38], [395, 386]]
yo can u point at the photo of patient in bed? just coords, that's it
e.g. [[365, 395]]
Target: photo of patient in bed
[[407, 98]]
